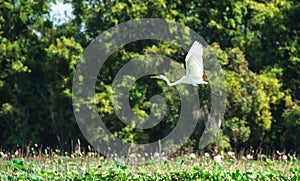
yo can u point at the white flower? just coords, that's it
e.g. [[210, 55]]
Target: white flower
[[193, 155], [230, 153], [249, 157], [284, 157], [164, 158], [132, 155], [218, 158], [206, 154]]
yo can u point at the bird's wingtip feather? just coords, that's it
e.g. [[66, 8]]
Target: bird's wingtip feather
[[196, 49]]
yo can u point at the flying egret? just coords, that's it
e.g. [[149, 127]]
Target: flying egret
[[194, 68]]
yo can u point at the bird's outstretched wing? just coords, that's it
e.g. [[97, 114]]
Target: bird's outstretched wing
[[194, 62]]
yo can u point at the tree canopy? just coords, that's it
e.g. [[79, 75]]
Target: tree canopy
[[256, 43]]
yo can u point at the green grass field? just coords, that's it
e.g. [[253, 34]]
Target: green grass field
[[90, 166]]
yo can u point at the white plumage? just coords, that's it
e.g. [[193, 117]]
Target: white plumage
[[194, 67]]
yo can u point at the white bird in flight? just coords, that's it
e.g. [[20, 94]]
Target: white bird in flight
[[194, 68]]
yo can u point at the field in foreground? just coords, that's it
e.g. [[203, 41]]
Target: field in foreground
[[159, 167]]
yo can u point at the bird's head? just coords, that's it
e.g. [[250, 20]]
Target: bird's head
[[158, 77], [155, 77]]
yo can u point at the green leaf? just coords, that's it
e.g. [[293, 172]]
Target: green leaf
[[19, 164]]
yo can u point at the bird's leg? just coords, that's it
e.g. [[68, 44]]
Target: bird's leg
[[205, 78]]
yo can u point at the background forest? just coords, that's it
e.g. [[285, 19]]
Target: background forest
[[256, 42]]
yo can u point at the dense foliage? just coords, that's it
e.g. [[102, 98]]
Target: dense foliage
[[256, 42]]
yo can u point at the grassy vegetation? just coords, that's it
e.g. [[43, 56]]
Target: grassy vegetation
[[91, 166]]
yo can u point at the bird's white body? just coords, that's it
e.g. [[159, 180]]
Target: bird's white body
[[194, 67]]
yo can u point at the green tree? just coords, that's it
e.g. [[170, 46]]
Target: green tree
[[257, 43], [292, 124], [20, 47], [38, 59]]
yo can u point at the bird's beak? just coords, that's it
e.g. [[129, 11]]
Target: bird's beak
[[154, 77]]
